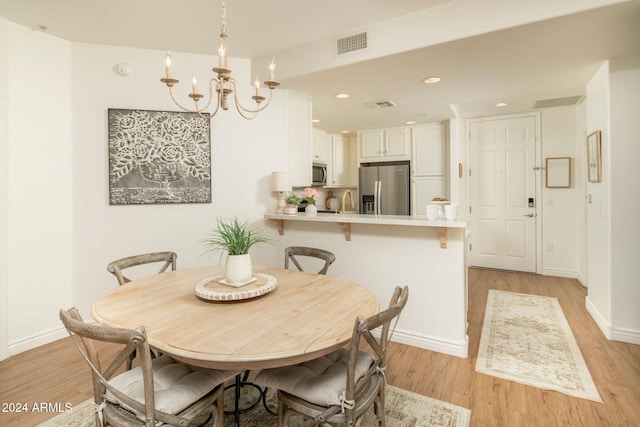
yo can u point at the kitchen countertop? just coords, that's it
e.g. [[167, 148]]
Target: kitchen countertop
[[346, 220], [355, 218]]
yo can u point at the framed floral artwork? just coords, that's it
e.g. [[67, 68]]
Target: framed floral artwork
[[158, 157], [594, 159]]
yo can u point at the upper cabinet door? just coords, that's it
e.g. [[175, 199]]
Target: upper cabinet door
[[397, 143], [429, 150], [371, 144], [321, 146], [384, 145]]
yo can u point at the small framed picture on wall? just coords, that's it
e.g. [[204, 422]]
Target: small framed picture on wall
[[594, 157]]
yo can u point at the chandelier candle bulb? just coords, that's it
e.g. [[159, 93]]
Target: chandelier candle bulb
[[167, 65], [222, 53], [272, 69], [194, 82], [257, 84]]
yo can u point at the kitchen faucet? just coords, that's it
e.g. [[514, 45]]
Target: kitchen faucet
[[344, 196]]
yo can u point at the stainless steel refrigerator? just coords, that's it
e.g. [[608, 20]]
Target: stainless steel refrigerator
[[384, 189]]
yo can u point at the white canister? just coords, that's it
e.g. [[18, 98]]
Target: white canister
[[451, 212], [433, 212]]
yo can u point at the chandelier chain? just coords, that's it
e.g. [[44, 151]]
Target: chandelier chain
[[224, 17]]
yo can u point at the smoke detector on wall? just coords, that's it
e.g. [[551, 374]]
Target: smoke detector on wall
[[123, 69]]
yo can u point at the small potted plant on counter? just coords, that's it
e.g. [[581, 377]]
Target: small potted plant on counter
[[236, 238], [310, 195], [292, 202]]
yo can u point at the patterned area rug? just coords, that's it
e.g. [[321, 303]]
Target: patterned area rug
[[527, 339], [402, 408]]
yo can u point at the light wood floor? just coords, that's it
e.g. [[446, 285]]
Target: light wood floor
[[56, 373]]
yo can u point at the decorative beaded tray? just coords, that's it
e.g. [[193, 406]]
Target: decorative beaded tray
[[212, 289]]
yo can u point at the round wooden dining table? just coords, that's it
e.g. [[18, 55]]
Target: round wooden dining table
[[303, 317]]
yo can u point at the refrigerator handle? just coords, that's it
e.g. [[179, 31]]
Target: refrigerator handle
[[379, 199], [375, 198]]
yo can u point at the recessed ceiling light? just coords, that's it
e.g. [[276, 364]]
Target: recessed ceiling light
[[344, 131], [432, 79], [315, 121], [342, 95], [410, 122], [501, 104]]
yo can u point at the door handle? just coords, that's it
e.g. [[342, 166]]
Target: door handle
[[531, 215]]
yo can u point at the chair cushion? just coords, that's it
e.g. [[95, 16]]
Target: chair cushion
[[320, 381], [176, 385]]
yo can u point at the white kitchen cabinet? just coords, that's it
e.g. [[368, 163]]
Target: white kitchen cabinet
[[339, 171], [300, 138], [321, 146], [397, 143], [423, 189], [371, 144], [384, 145], [429, 150], [429, 154]]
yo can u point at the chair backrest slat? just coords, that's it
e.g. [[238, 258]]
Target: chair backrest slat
[[364, 328], [292, 251], [167, 258], [133, 340]]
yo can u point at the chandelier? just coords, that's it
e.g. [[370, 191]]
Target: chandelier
[[224, 84]]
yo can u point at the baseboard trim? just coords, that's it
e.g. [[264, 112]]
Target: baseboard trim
[[560, 273], [19, 346], [452, 348], [626, 335], [604, 326]]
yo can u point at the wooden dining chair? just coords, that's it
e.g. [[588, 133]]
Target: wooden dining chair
[[291, 252], [158, 391], [340, 387], [167, 258]]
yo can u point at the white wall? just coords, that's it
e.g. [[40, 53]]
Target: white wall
[[39, 193], [625, 198], [560, 207], [4, 71], [612, 217], [243, 155], [598, 220], [62, 231]]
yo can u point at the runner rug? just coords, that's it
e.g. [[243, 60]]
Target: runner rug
[[527, 339], [402, 409]]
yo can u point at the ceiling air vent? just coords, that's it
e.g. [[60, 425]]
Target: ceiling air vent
[[382, 104], [558, 102], [351, 43]]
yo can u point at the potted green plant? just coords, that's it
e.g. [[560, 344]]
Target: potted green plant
[[235, 238], [292, 201]]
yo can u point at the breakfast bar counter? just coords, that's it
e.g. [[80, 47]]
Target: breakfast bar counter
[[345, 220], [380, 252]]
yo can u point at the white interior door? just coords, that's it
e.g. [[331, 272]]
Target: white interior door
[[503, 191]]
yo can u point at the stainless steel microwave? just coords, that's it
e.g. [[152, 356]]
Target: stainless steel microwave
[[319, 175]]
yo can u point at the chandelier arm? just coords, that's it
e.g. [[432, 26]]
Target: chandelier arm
[[189, 110], [219, 97], [241, 110], [239, 106]]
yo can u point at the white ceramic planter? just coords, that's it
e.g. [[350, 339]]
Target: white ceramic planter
[[238, 269], [311, 210]]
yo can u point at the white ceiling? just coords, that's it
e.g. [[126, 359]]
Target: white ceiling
[[546, 59]]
